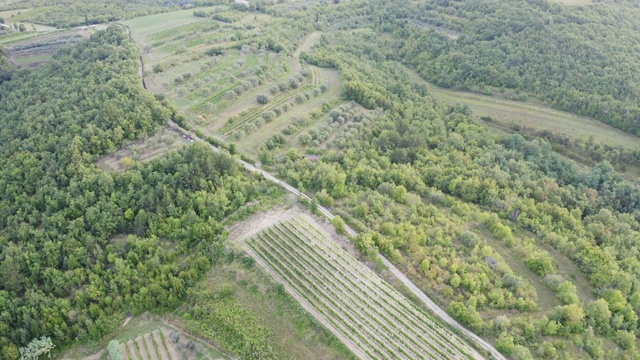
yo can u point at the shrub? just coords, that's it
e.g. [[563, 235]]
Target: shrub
[[158, 68], [262, 99]]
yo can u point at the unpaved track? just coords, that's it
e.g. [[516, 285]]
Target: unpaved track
[[392, 268], [161, 349]]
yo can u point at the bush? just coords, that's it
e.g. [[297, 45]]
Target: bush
[[338, 224], [174, 336], [262, 99], [158, 68]]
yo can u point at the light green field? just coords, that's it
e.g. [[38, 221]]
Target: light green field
[[33, 59], [17, 14], [251, 144], [200, 85], [148, 25], [533, 115], [538, 117]]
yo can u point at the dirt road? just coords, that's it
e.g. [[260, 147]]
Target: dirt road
[[392, 268]]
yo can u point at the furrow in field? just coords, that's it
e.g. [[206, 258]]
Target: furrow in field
[[141, 347], [150, 347], [327, 308], [161, 349], [132, 350], [398, 306], [123, 349], [379, 303], [364, 273], [354, 344], [349, 307]]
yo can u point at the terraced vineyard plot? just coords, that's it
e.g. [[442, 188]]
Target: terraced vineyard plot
[[372, 318]]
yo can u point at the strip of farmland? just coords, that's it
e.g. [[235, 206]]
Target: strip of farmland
[[371, 317]]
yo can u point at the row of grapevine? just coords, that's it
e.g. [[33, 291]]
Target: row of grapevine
[[376, 321]]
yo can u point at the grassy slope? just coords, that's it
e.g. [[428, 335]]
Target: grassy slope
[[533, 115]]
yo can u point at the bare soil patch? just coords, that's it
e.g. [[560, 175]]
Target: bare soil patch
[[150, 346], [161, 349], [142, 348], [171, 346]]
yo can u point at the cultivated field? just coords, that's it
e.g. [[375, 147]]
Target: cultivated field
[[214, 71], [165, 344], [34, 52], [366, 313]]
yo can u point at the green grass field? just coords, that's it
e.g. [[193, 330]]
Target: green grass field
[[533, 115], [148, 25], [33, 59], [537, 116]]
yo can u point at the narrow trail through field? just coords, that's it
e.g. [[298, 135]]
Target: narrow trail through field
[[439, 312]]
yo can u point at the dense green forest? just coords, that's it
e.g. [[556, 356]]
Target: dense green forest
[[580, 59], [5, 67], [79, 247]]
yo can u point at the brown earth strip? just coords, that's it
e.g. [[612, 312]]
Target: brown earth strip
[[141, 347], [132, 350], [123, 348], [161, 349], [150, 347], [173, 352]]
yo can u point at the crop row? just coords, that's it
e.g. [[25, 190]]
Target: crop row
[[375, 311], [415, 313], [394, 306], [364, 309], [375, 284], [255, 113], [357, 323]]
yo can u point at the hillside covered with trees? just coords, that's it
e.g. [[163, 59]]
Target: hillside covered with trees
[[428, 185], [581, 59], [79, 247], [72, 13]]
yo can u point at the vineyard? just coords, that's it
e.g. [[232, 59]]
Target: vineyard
[[373, 319], [161, 344]]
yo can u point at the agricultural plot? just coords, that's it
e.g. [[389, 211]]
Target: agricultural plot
[[164, 344], [215, 69], [35, 52], [367, 314]]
